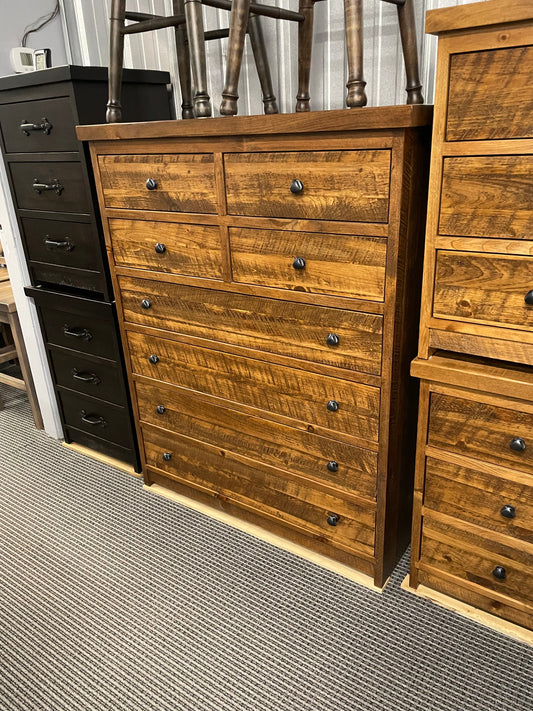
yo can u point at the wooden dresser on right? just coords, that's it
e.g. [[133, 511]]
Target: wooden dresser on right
[[473, 508]]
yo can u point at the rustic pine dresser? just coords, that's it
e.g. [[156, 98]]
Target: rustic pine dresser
[[267, 273]]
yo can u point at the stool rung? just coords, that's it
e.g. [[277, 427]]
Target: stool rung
[[12, 381]]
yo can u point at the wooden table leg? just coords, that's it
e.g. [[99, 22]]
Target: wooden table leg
[[353, 17], [116, 60], [257, 41], [305, 44], [406, 20], [184, 62], [195, 33], [25, 368], [240, 10]]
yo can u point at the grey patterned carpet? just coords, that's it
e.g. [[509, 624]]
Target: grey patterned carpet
[[112, 598]]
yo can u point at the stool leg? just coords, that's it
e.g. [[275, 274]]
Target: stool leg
[[305, 43], [184, 62], [25, 368], [116, 60], [2, 405], [257, 41], [353, 17], [240, 11], [195, 33], [406, 20]]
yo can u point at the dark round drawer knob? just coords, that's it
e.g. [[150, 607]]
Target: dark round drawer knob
[[297, 186], [153, 359], [528, 298], [333, 519], [151, 184], [146, 304], [517, 444], [160, 409], [299, 263], [333, 466], [160, 248], [508, 511], [333, 339], [332, 406], [167, 456], [499, 572]]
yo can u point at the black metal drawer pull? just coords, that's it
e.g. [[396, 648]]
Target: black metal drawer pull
[[85, 377], [153, 359], [151, 184], [508, 511], [93, 420], [77, 332], [55, 185], [517, 444], [45, 126], [167, 456], [332, 406], [333, 466], [299, 263], [146, 304], [160, 409], [297, 186], [499, 572], [333, 339], [160, 248], [528, 298], [53, 244], [333, 519]]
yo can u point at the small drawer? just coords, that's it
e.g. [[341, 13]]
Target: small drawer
[[495, 83], [39, 126], [288, 501], [491, 501], [96, 417], [486, 432], [315, 185], [173, 183], [330, 403], [487, 196], [103, 379], [57, 186], [346, 339], [483, 288], [127, 455], [340, 265], [342, 466], [67, 244], [170, 247]]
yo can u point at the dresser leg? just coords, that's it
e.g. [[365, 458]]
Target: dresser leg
[[116, 60], [195, 33], [240, 11], [353, 17], [257, 41]]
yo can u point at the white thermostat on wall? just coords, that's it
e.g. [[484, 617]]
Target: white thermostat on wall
[[24, 59]]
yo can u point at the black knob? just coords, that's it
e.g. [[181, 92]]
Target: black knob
[[160, 248], [332, 339], [151, 184], [333, 466], [499, 572], [160, 409], [517, 444], [153, 359], [333, 519], [299, 263], [508, 511], [146, 303], [333, 406], [297, 186], [528, 298], [167, 456]]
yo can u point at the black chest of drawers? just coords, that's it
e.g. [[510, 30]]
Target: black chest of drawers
[[53, 193]]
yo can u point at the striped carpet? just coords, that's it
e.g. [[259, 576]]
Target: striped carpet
[[113, 599]]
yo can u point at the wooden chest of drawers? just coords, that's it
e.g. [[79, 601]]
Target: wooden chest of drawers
[[268, 299]]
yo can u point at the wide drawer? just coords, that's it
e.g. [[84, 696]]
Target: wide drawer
[[347, 468], [501, 504], [330, 403], [490, 95], [487, 196], [289, 502], [317, 185], [340, 265], [68, 244], [499, 435], [98, 418], [179, 183], [39, 126], [57, 186], [174, 248], [347, 339], [100, 378], [484, 288]]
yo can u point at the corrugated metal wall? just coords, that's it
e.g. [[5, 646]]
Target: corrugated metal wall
[[88, 34]]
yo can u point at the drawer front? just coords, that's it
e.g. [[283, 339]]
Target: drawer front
[[53, 275], [67, 244], [487, 196], [110, 449], [102, 379], [63, 188], [473, 558], [490, 95], [315, 263], [182, 183], [285, 391], [296, 330], [97, 418], [193, 250], [335, 185], [485, 499], [39, 126], [286, 500], [345, 467], [484, 289], [486, 432]]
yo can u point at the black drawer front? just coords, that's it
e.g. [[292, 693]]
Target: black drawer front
[[97, 418], [53, 275], [39, 126], [110, 449], [99, 378], [70, 244], [63, 188]]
